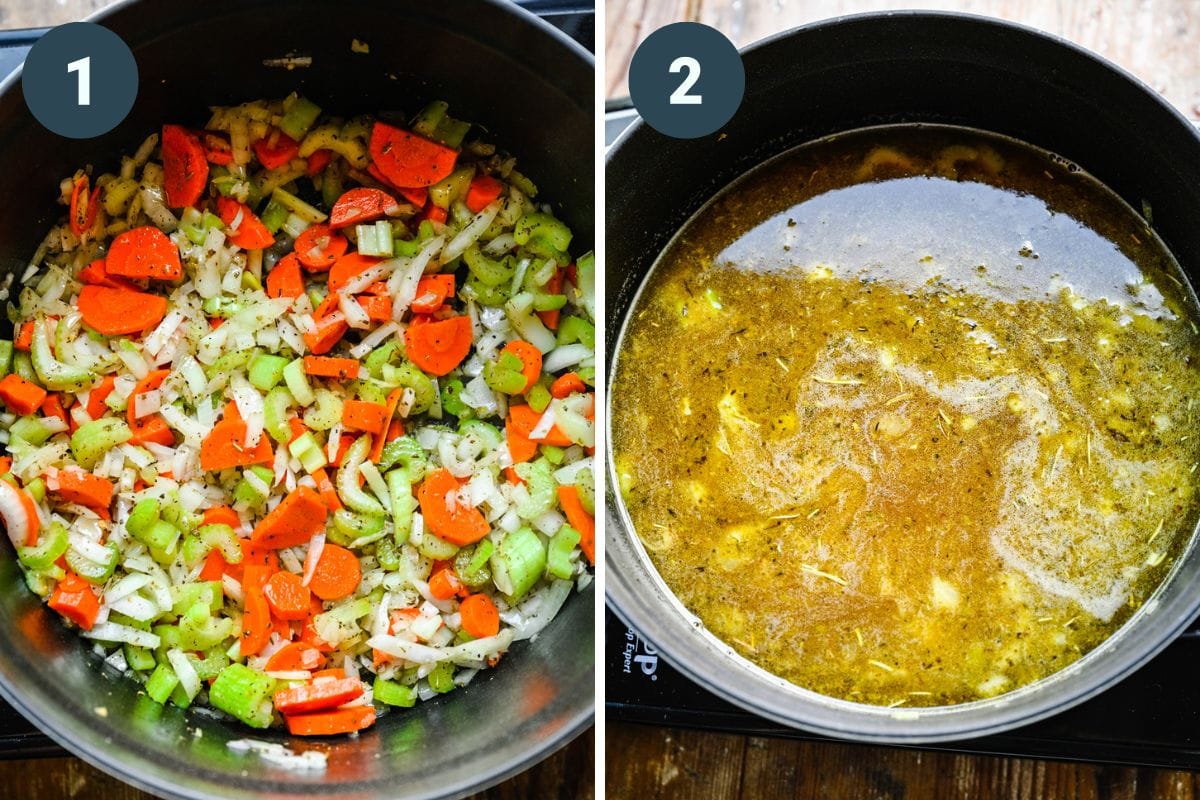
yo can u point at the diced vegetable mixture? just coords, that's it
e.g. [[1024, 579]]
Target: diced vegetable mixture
[[299, 413]]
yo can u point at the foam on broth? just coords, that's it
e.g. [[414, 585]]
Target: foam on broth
[[907, 416]]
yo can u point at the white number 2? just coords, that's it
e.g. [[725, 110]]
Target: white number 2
[[680, 96], [84, 67]]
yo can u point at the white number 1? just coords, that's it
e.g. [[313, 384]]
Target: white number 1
[[680, 96], [84, 67]]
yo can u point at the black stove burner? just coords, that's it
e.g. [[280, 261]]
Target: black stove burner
[[1151, 719], [18, 737]]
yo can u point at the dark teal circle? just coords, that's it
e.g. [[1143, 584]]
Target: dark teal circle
[[52, 93], [720, 86]]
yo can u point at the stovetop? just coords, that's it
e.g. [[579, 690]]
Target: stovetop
[[18, 737]]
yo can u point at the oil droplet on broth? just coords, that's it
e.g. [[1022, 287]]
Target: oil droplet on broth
[[933, 428]]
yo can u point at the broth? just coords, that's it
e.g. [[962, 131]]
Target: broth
[[905, 416]]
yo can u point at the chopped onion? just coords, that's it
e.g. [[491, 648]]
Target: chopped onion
[[356, 316], [471, 232], [189, 681], [544, 425], [112, 632], [374, 339], [566, 356], [316, 546]]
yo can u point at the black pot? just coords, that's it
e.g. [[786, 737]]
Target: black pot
[[876, 69], [496, 65]]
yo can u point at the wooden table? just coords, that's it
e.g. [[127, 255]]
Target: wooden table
[[569, 773], [1157, 40]]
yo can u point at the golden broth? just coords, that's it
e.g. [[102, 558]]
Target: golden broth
[[906, 416]]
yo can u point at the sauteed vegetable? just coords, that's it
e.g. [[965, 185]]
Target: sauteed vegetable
[[298, 413]]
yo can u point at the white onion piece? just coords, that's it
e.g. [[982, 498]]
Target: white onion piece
[[316, 546]]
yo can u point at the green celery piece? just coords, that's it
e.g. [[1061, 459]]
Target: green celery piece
[[539, 398], [347, 480], [408, 375], [585, 484], [326, 412], [471, 564], [246, 492], [305, 448], [490, 272], [576, 329], [275, 414], [161, 536], [51, 545], [36, 489], [391, 693], [297, 382], [297, 206], [379, 356], [518, 563], [54, 374], [451, 132], [91, 571], [548, 302], [487, 434], [23, 366], [208, 594], [31, 429], [266, 371], [388, 554], [425, 123], [441, 677], [452, 399], [453, 187], [585, 276], [554, 455], [523, 184], [193, 550], [6, 357], [139, 659], [558, 553], [501, 379], [161, 683], [144, 514], [299, 117], [350, 527], [93, 439], [224, 539], [243, 693], [405, 453], [539, 480], [403, 504]]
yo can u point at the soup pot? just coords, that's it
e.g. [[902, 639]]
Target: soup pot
[[861, 71], [496, 64]]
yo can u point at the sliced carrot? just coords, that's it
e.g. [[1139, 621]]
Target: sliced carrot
[[318, 161], [116, 311], [83, 206], [347, 267], [417, 195], [287, 596], [52, 407], [144, 252], [479, 616], [310, 637], [444, 583], [512, 477], [185, 166], [97, 273], [432, 291], [332, 723], [152, 381], [221, 515], [531, 360], [525, 419], [20, 395], [224, 446], [83, 488], [406, 159], [395, 430], [439, 347], [434, 213], [483, 192], [5, 465], [95, 405], [250, 233], [520, 447], [284, 279], [378, 307], [457, 524], [293, 522], [24, 337], [359, 415], [276, 149], [568, 498], [256, 619], [393, 400], [326, 307], [295, 656], [553, 286], [567, 385], [337, 574], [154, 430], [214, 566], [317, 695], [362, 205], [74, 599], [343, 446], [328, 367], [318, 247], [328, 493], [325, 334]]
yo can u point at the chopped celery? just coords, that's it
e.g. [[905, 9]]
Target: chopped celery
[[224, 539], [505, 375], [94, 571], [248, 492], [441, 677], [266, 371], [211, 665], [387, 554], [305, 448], [228, 363], [23, 366], [144, 514], [379, 356], [193, 551], [93, 439], [453, 187], [391, 693], [485, 295], [297, 382], [139, 659], [32, 429], [558, 553], [539, 480], [222, 306], [273, 216], [54, 374], [585, 279], [518, 563], [349, 527], [161, 536], [451, 132], [410, 376], [210, 594], [295, 205], [403, 504], [539, 398], [200, 630], [347, 480], [52, 544], [405, 453], [426, 122], [243, 693], [489, 435], [6, 357], [299, 117], [432, 546], [585, 483], [491, 273], [471, 564], [161, 683], [523, 184], [375, 239], [452, 400], [36, 489], [553, 454], [327, 411], [275, 414]]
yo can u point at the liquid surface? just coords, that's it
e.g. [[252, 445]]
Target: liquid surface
[[905, 417]]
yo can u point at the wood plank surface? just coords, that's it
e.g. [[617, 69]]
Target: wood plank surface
[[651, 763], [566, 775], [1157, 40]]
